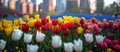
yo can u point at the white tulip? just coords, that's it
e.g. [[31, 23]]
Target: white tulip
[[88, 37], [28, 38], [56, 41], [2, 44], [40, 36], [68, 47], [32, 48], [99, 39], [78, 45], [16, 35]]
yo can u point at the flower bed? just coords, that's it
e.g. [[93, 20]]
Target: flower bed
[[65, 34]]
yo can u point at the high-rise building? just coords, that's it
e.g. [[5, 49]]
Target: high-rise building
[[12, 4], [4, 3], [22, 1], [45, 5], [51, 6], [48, 5], [100, 4], [36, 5], [24, 8], [61, 5], [30, 7], [84, 6], [92, 6], [72, 6]]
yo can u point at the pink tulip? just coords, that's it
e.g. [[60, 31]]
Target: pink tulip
[[104, 45], [116, 48]]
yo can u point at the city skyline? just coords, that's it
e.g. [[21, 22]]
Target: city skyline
[[30, 6], [107, 2]]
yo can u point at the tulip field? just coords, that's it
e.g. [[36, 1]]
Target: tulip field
[[64, 34]]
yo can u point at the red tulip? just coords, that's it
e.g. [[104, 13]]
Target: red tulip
[[115, 42], [116, 48], [93, 20], [44, 28], [37, 24], [98, 31], [82, 20], [115, 26], [104, 23], [44, 21], [108, 41], [48, 26], [104, 45], [110, 35], [63, 26], [57, 30], [70, 25], [66, 32], [110, 24], [25, 27], [54, 22]]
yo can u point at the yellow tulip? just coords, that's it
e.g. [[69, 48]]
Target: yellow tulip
[[60, 20], [79, 30], [76, 20], [20, 21], [26, 17], [16, 22], [15, 26], [37, 17], [8, 31], [1, 27], [109, 50], [4, 23], [31, 22]]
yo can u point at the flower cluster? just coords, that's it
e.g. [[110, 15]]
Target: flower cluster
[[65, 34]]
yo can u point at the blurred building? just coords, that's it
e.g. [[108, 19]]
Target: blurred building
[[22, 1], [84, 6], [30, 7], [36, 5], [4, 2], [100, 4], [92, 6], [48, 6], [61, 5], [11, 4], [24, 8]]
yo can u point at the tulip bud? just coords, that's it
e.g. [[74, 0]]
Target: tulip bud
[[99, 39], [16, 35], [25, 27], [54, 22], [66, 32], [78, 45], [44, 21], [2, 44], [110, 35], [37, 24], [32, 48], [39, 36], [116, 48], [57, 30], [108, 41], [88, 37], [68, 47], [104, 45], [56, 41], [28, 38]]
